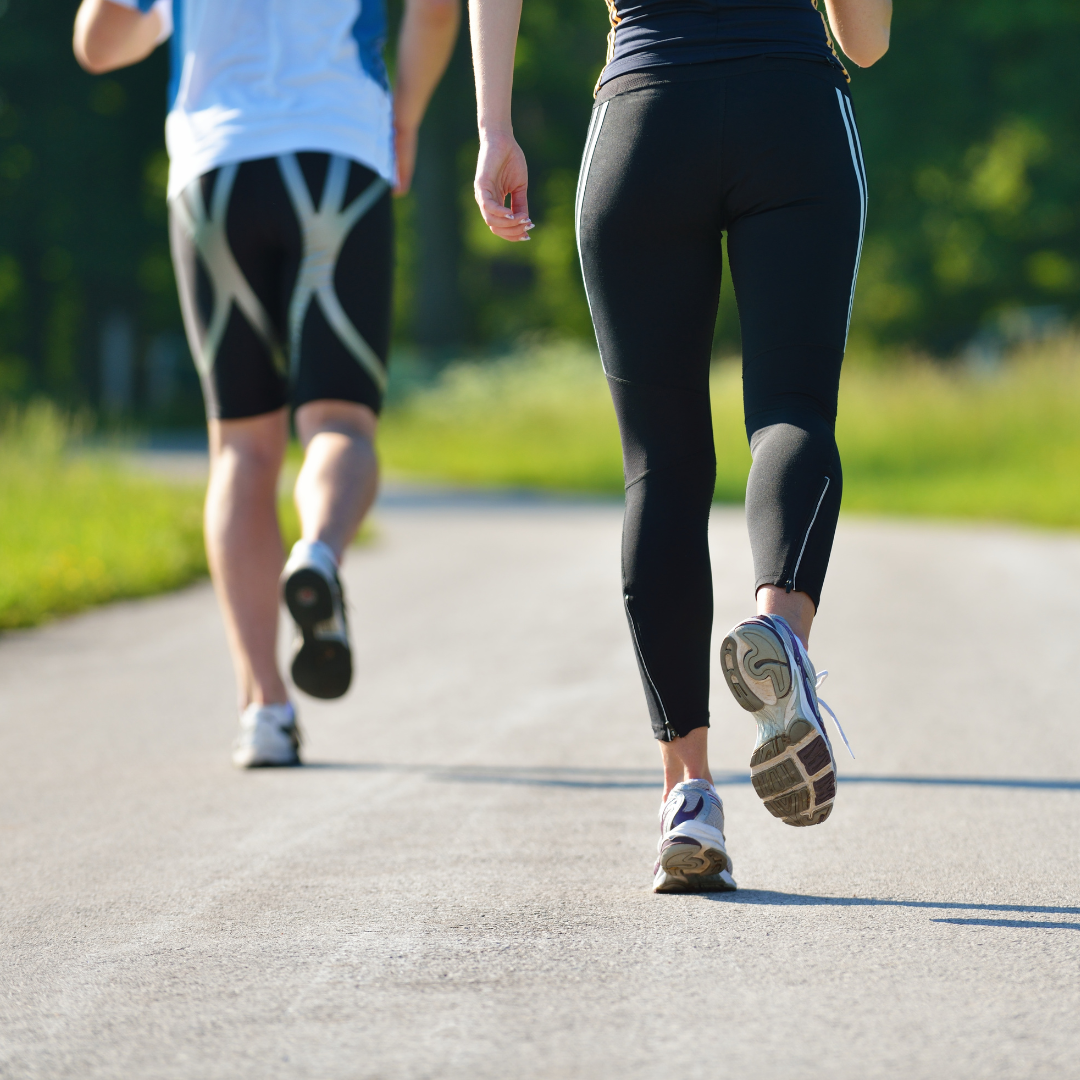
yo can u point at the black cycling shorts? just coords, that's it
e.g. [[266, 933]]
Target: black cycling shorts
[[284, 270]]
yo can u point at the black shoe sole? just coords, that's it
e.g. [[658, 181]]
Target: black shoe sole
[[322, 669], [308, 598]]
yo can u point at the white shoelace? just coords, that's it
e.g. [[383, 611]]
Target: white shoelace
[[822, 676], [800, 655]]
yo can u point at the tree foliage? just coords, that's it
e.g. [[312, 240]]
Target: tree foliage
[[970, 125], [82, 214]]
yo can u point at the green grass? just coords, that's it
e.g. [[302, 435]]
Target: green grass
[[78, 530], [916, 438], [1001, 446], [543, 420]]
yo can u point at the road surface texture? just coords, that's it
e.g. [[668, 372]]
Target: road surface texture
[[457, 884]]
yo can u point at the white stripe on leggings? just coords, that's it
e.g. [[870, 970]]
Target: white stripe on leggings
[[802, 550], [595, 125], [848, 116]]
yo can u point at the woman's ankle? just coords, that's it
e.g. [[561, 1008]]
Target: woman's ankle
[[686, 758]]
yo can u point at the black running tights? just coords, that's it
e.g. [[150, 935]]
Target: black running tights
[[768, 153]]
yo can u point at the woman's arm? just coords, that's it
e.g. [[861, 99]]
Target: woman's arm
[[861, 28], [110, 36], [429, 29], [501, 168]]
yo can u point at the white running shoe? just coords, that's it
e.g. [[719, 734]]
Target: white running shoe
[[693, 857], [768, 672], [322, 655], [269, 735]]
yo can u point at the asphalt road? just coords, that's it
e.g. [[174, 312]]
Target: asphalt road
[[457, 884]]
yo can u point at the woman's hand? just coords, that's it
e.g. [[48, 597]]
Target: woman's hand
[[501, 171], [861, 28], [501, 168]]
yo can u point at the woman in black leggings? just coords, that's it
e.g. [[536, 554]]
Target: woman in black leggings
[[713, 117]]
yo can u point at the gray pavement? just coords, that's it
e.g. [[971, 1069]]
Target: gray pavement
[[457, 885]]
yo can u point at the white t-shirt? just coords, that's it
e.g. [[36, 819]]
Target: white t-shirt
[[253, 80]]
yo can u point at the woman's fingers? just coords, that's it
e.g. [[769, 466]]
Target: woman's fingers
[[506, 225], [519, 202]]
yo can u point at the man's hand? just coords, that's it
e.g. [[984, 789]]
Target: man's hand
[[110, 36], [501, 171], [405, 139], [428, 31]]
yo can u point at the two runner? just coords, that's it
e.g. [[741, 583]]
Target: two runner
[[714, 117], [284, 143]]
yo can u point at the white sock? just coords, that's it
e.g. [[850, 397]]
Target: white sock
[[314, 551]]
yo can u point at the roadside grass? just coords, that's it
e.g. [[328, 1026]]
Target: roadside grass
[[1003, 445], [77, 530], [917, 438]]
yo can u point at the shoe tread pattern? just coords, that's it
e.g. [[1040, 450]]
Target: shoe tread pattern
[[686, 856], [690, 866], [320, 667], [786, 768], [764, 660], [787, 783]]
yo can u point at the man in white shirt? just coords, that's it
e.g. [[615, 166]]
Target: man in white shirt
[[284, 145]]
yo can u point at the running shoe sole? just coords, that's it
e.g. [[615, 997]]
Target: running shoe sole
[[321, 668], [792, 770], [693, 863]]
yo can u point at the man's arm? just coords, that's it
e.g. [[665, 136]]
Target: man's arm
[[110, 35], [429, 29], [861, 28]]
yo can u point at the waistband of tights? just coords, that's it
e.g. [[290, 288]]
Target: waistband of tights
[[719, 69]]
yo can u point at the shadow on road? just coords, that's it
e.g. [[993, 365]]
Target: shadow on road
[[584, 777], [1014, 923], [768, 898]]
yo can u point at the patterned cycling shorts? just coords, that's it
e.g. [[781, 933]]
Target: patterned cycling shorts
[[284, 270]]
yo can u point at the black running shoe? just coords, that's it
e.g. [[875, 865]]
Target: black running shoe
[[322, 656]]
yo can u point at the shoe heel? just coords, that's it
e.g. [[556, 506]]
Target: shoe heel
[[689, 858], [307, 596], [765, 660]]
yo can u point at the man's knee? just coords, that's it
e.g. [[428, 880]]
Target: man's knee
[[254, 446], [338, 417]]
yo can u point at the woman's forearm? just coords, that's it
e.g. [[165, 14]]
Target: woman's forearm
[[110, 36], [428, 32], [861, 28], [494, 29]]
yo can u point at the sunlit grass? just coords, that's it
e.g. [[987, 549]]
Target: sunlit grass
[[916, 437], [1001, 445], [541, 419], [77, 531]]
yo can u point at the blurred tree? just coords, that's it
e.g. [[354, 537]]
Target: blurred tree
[[459, 284], [82, 214], [971, 127]]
